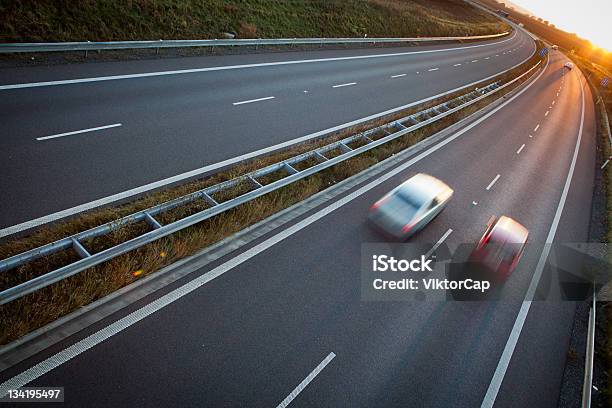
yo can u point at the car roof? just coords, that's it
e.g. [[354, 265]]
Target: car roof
[[425, 185], [508, 230]]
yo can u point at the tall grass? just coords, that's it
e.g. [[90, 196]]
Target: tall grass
[[94, 20]]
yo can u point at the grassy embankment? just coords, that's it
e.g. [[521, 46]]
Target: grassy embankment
[[595, 73], [23, 315], [93, 20]]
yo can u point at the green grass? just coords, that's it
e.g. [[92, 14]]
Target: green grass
[[92, 20]]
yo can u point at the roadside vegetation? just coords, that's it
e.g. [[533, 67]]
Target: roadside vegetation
[[37, 309], [595, 73], [94, 20]]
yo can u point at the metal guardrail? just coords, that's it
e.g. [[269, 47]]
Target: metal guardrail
[[125, 45], [587, 385], [368, 139]]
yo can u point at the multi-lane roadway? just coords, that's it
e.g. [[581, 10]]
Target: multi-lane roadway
[[281, 321], [100, 129]]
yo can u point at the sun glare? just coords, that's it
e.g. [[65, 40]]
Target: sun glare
[[587, 18]]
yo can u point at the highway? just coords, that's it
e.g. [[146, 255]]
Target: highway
[[286, 309], [98, 137]]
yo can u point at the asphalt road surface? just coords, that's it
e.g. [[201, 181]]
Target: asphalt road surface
[[155, 127], [293, 313]]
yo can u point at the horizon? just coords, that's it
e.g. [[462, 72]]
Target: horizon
[[587, 19]]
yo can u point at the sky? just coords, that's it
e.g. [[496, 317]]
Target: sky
[[590, 19]]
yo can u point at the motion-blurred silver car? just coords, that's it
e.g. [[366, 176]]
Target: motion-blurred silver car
[[410, 206], [501, 247]]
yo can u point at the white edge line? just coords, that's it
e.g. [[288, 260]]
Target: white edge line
[[520, 149], [92, 340], [253, 100], [437, 244], [297, 390], [228, 67], [76, 132], [212, 167], [493, 182], [504, 360], [346, 84]]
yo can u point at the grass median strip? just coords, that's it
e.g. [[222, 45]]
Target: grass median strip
[[34, 310]]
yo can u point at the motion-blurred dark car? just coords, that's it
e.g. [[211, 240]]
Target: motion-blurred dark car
[[410, 206], [501, 247]]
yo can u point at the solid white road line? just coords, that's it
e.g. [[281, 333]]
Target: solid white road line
[[118, 326], [536, 128], [297, 390], [520, 149], [228, 67], [211, 167], [493, 182], [398, 75], [437, 244], [342, 85], [547, 112], [504, 361], [457, 65], [76, 132], [433, 69], [253, 100]]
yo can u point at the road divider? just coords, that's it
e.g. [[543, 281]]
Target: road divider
[[343, 85], [492, 183], [297, 390], [76, 132], [253, 100]]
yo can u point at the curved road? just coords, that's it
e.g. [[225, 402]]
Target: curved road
[[289, 310]]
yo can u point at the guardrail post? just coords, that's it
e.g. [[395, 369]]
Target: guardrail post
[[80, 249], [590, 351]]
